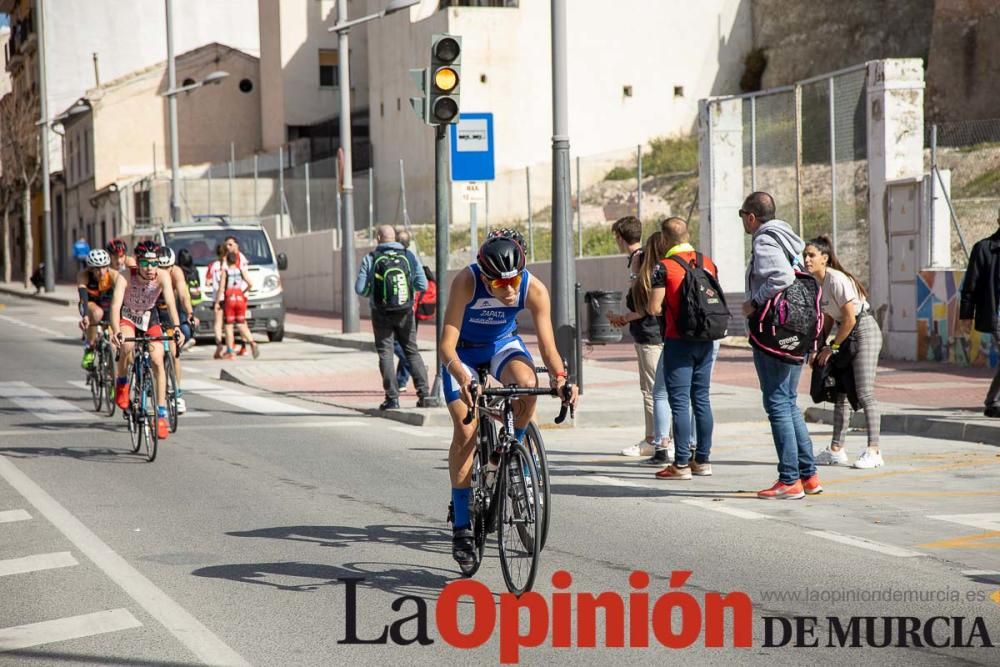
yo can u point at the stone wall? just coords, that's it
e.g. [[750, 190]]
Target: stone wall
[[964, 65]]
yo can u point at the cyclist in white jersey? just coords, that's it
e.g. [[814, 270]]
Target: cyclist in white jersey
[[480, 328], [133, 310]]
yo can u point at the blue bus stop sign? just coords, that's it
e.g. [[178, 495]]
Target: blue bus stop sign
[[472, 154]]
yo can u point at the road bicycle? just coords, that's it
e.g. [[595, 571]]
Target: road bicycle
[[141, 414], [510, 496], [101, 375], [171, 370]]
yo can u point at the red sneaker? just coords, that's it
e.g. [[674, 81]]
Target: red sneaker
[[782, 491], [243, 351], [811, 485], [121, 396], [162, 428]]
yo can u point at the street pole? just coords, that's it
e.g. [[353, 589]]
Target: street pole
[[563, 266], [442, 216], [175, 208], [50, 276], [350, 299]]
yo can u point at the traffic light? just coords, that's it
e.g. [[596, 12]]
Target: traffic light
[[446, 79], [421, 104]]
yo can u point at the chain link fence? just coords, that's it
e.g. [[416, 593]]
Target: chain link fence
[[806, 145], [971, 151]]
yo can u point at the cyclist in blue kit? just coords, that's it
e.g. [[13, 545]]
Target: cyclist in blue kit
[[480, 327]]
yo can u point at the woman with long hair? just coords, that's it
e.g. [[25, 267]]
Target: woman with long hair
[[845, 302]]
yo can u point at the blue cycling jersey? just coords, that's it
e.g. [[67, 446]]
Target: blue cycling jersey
[[487, 320]]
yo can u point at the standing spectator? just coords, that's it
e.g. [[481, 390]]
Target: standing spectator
[[774, 251], [80, 251], [644, 328], [402, 367], [213, 276], [687, 363], [845, 302], [980, 291], [388, 277]]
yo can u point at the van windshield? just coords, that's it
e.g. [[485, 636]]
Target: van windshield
[[202, 244]]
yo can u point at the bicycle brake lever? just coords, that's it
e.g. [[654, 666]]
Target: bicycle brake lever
[[473, 390]]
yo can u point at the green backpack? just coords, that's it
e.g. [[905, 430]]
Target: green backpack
[[392, 280]]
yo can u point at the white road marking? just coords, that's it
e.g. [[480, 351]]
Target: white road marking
[[71, 627], [65, 318], [40, 403], [985, 520], [14, 515], [612, 481], [195, 414], [185, 627], [79, 384], [37, 562], [22, 323], [981, 573], [409, 430], [243, 400], [719, 506], [282, 425], [886, 549], [189, 368]]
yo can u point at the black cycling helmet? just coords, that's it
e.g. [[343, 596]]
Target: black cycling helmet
[[116, 247], [184, 258], [147, 250], [501, 256]]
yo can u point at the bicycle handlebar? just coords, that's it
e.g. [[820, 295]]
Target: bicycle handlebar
[[511, 392]]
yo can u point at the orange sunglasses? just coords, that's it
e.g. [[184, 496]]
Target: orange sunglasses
[[500, 283]]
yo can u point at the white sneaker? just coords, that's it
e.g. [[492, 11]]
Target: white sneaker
[[828, 457], [181, 406], [868, 460], [641, 448]]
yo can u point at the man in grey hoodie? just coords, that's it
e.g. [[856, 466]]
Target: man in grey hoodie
[[775, 251]]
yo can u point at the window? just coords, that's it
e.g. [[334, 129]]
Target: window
[[86, 152], [329, 77]]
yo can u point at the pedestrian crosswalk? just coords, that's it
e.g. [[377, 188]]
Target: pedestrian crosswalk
[[40, 403]]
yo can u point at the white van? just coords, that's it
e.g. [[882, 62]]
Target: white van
[[201, 237]]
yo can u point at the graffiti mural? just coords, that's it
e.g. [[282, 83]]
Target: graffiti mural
[[938, 298]]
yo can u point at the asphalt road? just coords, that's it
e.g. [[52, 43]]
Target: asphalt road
[[233, 546]]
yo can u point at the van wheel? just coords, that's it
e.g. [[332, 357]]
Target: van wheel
[[276, 336]]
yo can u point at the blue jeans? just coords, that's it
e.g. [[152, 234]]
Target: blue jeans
[[403, 367], [687, 370], [661, 406], [779, 383]]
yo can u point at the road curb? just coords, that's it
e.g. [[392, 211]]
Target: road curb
[[338, 340], [920, 425], [409, 416], [42, 296]]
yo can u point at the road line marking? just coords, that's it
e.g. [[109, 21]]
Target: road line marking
[[612, 481], [22, 323], [41, 404], [37, 562], [248, 402], [409, 430], [981, 573], [71, 627], [984, 520], [185, 627], [196, 414], [11, 516], [188, 368], [79, 384], [886, 549], [65, 318], [988, 540], [716, 506], [284, 425]]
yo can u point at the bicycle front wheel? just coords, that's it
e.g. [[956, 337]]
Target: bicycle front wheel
[[96, 383], [149, 415], [519, 529], [533, 442], [107, 371], [134, 415]]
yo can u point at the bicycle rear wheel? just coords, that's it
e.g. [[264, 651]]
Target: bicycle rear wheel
[[536, 447], [171, 372], [519, 529], [149, 415]]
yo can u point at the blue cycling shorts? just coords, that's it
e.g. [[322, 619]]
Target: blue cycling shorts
[[497, 355]]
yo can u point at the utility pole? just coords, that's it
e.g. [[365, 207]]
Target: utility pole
[[50, 275], [349, 302], [175, 160], [563, 265], [442, 241]]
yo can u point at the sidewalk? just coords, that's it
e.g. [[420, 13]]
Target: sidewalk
[[917, 398], [63, 294]]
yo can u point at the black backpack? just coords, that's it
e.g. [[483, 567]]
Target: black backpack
[[703, 314], [790, 323], [392, 280]]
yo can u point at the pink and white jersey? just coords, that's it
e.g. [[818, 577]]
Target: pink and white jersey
[[140, 295]]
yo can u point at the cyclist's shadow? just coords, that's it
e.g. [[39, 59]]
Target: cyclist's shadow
[[421, 538]]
